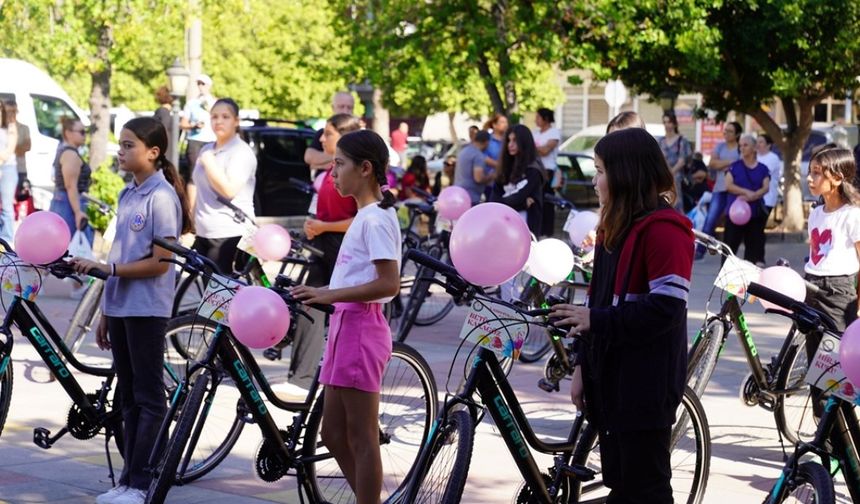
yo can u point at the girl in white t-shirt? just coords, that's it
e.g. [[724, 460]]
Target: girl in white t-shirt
[[366, 275], [834, 234]]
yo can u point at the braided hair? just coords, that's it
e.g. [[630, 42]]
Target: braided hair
[[366, 145]]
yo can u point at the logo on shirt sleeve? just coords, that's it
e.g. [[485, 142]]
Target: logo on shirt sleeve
[[137, 221]]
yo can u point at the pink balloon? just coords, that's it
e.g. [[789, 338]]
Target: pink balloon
[[42, 238], [849, 352], [258, 317], [740, 212], [785, 281], [318, 182], [453, 202], [272, 242], [490, 244]]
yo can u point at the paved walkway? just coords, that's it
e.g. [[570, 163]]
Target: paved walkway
[[746, 453]]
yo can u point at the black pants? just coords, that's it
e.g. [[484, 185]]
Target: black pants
[[309, 339], [192, 150], [137, 344], [636, 466], [837, 297], [223, 252], [548, 217], [751, 234]]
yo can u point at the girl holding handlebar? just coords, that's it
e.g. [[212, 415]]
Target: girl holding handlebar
[[367, 274], [633, 366], [138, 295]]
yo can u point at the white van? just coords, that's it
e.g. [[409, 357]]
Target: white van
[[41, 104]]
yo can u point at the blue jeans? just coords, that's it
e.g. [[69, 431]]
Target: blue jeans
[[716, 209], [61, 206], [8, 186]]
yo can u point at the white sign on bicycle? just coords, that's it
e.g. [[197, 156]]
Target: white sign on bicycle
[[495, 327], [736, 275], [246, 242], [18, 279], [215, 303], [825, 372]]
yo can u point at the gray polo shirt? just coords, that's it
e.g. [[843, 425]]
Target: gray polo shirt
[[211, 218], [143, 213], [469, 158]]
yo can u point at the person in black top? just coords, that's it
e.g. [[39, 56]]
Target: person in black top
[[521, 178], [633, 331]]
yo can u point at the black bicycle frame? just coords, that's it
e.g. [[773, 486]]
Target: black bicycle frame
[[38, 330]]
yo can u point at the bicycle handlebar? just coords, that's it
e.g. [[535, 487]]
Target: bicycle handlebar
[[103, 207], [424, 194], [301, 185], [191, 256], [238, 212], [802, 313], [558, 201]]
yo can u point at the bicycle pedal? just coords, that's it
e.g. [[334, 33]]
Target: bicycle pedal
[[272, 354], [578, 472], [42, 438], [547, 385]]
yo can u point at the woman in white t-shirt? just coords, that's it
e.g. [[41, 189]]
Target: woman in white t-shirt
[[767, 157], [366, 275], [834, 234], [547, 139]]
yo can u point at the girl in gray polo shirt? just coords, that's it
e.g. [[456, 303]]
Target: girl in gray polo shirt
[[139, 294]]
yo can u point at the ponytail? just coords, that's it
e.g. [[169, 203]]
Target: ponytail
[[172, 176]]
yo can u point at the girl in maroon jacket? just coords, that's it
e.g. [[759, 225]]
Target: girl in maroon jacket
[[633, 330]]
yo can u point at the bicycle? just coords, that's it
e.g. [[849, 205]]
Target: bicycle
[[836, 438], [90, 413], [407, 405], [442, 467], [772, 386]]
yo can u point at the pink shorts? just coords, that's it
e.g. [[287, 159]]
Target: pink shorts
[[358, 347]]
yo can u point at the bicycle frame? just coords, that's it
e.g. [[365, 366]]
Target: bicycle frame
[[488, 378], [839, 424]]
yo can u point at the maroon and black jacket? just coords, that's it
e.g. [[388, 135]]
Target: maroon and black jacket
[[635, 357]]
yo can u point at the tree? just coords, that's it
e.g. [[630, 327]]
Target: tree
[[741, 55], [470, 55]]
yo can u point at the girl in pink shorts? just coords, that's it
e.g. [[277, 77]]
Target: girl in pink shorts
[[366, 275]]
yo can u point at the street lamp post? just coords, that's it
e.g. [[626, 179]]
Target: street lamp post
[[177, 77]]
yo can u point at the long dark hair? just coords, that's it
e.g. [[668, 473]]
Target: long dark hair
[[366, 145], [152, 133], [4, 121], [418, 167], [840, 164], [638, 179], [514, 167]]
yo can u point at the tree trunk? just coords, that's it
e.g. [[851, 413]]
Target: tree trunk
[[490, 85], [100, 102], [451, 129]]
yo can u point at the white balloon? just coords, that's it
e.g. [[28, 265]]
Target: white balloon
[[582, 223], [551, 261]]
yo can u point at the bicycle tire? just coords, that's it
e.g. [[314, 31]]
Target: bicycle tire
[[400, 442], [221, 423], [702, 359], [86, 314], [793, 411], [6, 383], [189, 292], [417, 294], [436, 305], [812, 483], [696, 438], [537, 343], [441, 475], [165, 474]]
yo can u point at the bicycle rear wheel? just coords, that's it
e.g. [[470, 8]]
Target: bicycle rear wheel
[[811, 484], [536, 344], [437, 303], [189, 293], [407, 407], [440, 475], [690, 457], [793, 410], [85, 317]]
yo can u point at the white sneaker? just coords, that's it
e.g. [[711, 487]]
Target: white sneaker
[[290, 392], [109, 496], [131, 496]]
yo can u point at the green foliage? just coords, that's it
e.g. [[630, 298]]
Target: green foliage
[[452, 55], [106, 185]]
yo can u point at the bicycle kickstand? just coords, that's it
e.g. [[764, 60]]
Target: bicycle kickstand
[[108, 435]]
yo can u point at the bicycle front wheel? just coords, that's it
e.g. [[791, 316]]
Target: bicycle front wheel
[[703, 355], [440, 475], [811, 484], [407, 407], [5, 393]]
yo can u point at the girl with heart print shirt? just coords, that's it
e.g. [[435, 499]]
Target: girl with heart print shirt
[[834, 234]]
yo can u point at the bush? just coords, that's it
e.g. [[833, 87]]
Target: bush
[[106, 185]]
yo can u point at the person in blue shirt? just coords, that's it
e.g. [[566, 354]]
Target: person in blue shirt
[[748, 180]]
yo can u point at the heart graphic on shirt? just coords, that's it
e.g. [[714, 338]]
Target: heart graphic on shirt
[[821, 243]]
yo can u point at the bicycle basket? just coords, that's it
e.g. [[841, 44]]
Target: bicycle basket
[[19, 278], [825, 372], [496, 327], [735, 276]]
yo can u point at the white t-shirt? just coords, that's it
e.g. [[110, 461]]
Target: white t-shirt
[[543, 138], [832, 236], [774, 166], [373, 235]]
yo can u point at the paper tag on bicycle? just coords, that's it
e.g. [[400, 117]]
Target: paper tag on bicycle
[[443, 224], [495, 327], [736, 275], [215, 303], [19, 279], [825, 372], [246, 242]]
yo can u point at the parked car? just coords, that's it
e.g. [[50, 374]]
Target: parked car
[[584, 140], [578, 171], [280, 153]]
